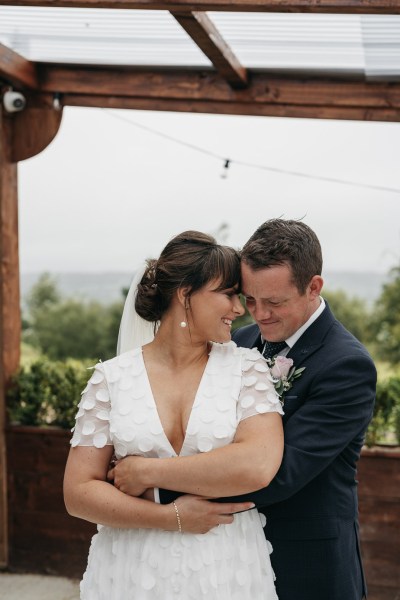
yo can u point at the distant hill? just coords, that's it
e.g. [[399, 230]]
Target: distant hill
[[107, 287], [102, 287], [365, 285]]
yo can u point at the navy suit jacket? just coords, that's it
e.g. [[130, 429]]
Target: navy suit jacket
[[311, 505]]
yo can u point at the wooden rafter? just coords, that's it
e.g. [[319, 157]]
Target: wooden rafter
[[207, 37], [17, 70], [205, 91], [306, 6]]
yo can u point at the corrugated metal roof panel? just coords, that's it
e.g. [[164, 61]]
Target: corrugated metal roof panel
[[98, 36], [294, 41], [315, 43], [381, 41]]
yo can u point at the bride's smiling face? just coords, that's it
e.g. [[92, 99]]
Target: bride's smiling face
[[211, 312]]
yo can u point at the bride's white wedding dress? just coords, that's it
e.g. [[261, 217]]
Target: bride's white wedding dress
[[231, 562]]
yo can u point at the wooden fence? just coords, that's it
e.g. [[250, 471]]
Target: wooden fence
[[45, 539]]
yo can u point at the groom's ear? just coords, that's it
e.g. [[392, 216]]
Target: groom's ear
[[315, 286]]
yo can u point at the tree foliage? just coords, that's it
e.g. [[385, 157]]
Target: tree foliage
[[352, 312], [386, 417], [43, 294], [386, 320], [63, 328]]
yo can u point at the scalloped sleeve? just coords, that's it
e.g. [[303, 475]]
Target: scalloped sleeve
[[257, 394], [92, 422]]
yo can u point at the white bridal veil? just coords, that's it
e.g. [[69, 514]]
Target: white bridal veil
[[134, 331]]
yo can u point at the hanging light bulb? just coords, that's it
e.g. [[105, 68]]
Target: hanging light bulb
[[224, 173]]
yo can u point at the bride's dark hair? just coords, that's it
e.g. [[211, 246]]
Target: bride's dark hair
[[191, 259]]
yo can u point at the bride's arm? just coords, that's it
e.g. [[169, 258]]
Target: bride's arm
[[87, 493], [246, 465], [89, 496]]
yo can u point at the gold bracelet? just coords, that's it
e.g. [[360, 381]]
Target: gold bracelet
[[178, 518]]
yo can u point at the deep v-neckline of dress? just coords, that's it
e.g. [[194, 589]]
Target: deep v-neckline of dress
[[194, 403]]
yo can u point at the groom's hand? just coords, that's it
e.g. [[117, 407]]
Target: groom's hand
[[199, 515]]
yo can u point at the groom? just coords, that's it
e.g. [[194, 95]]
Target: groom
[[311, 506]]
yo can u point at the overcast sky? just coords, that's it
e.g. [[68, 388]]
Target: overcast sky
[[107, 193]]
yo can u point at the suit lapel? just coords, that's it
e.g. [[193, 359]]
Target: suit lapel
[[299, 355], [313, 338]]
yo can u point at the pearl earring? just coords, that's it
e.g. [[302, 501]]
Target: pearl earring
[[183, 324]]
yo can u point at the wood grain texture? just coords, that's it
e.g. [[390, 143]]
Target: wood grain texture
[[205, 91], [10, 319], [292, 6], [379, 505], [16, 70], [207, 37], [34, 128], [43, 537]]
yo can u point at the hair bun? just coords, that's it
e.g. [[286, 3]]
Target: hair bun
[[147, 299]]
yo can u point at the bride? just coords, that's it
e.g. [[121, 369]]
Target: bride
[[178, 389]]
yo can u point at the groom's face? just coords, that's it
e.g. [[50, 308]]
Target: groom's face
[[274, 301]]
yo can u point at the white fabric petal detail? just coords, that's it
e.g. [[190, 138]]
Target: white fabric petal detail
[[247, 401], [261, 367], [103, 395], [88, 427], [97, 377], [100, 440]]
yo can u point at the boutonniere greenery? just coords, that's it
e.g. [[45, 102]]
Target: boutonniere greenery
[[283, 374]]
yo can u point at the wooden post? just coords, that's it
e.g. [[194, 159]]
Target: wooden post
[[10, 320], [22, 135]]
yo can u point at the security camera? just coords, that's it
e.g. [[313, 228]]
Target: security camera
[[14, 101]]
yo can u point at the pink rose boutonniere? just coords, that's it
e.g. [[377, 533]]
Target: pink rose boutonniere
[[283, 374]]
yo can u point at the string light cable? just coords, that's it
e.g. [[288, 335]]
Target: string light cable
[[227, 162]]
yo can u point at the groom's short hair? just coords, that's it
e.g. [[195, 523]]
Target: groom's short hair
[[285, 242]]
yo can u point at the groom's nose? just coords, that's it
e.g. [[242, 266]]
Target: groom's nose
[[260, 312]]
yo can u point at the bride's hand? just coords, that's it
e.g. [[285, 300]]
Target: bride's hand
[[198, 515], [125, 474]]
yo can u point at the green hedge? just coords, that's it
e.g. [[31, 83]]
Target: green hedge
[[47, 393], [385, 424]]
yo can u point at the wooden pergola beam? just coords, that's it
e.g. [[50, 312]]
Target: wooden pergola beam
[[17, 70], [195, 106], [207, 37], [205, 91], [282, 6]]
